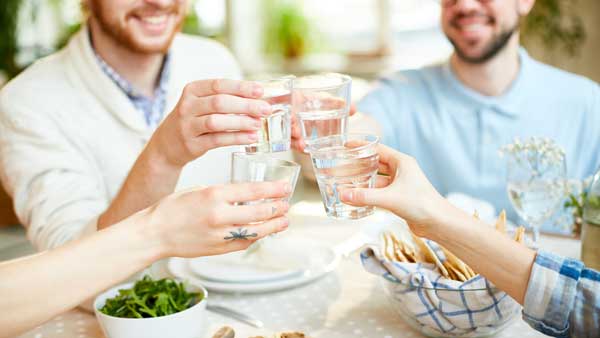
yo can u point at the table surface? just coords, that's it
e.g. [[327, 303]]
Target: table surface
[[347, 302]]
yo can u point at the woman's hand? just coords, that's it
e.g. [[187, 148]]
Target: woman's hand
[[208, 221], [402, 189]]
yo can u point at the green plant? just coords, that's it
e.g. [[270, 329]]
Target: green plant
[[287, 29], [150, 298], [556, 24], [576, 203], [9, 10]]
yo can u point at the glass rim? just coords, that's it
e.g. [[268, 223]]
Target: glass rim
[[288, 77], [373, 142], [270, 159], [346, 79]]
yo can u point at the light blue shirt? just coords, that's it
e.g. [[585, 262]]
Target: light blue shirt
[[455, 133]]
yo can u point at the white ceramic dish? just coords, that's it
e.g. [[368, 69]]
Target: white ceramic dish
[[189, 323], [234, 268], [319, 261]]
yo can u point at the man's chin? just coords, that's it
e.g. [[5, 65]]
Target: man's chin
[[150, 46]]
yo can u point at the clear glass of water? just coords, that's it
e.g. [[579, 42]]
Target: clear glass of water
[[536, 176], [276, 131], [321, 104], [341, 162], [259, 167]]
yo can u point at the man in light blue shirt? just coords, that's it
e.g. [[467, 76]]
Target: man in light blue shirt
[[453, 118]]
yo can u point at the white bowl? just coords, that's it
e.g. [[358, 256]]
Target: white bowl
[[190, 323]]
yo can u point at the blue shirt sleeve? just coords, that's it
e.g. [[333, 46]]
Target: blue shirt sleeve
[[563, 297], [379, 104]]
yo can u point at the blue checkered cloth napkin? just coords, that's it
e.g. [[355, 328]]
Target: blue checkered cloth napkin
[[437, 305]]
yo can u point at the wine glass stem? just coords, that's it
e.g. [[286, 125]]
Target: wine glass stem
[[535, 232]]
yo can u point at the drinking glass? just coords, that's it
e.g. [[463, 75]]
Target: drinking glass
[[321, 104], [276, 131], [536, 175], [344, 161], [259, 167]]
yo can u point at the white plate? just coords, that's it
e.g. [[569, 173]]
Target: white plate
[[319, 260], [238, 267]]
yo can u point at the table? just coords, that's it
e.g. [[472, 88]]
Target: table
[[348, 302]]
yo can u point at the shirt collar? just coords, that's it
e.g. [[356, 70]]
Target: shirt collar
[[507, 103], [126, 86]]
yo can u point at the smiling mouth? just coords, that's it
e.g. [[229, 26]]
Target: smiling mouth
[[154, 20], [472, 23]]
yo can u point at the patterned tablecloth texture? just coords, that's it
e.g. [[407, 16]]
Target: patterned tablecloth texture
[[348, 302]]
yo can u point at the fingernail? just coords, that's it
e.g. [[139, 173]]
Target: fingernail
[[257, 90], [347, 195], [265, 109], [285, 223], [287, 188], [285, 206], [253, 136], [257, 124]]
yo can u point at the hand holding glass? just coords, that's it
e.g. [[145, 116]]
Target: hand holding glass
[[344, 161], [275, 133]]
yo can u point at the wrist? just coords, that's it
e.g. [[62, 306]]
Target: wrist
[[445, 222], [157, 161], [145, 236]]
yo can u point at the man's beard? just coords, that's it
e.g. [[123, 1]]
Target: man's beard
[[125, 38], [494, 47]]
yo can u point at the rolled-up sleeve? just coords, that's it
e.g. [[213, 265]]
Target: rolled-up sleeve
[[563, 297], [56, 191]]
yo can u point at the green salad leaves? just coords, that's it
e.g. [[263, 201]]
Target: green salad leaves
[[151, 298]]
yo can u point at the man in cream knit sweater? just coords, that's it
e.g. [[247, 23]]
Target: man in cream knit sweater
[[126, 112]]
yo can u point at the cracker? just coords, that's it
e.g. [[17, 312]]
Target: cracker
[[430, 255], [389, 255], [399, 249], [501, 222], [519, 234], [457, 263]]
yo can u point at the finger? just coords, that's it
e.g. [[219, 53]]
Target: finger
[[352, 109], [202, 88], [242, 214], [298, 145], [223, 122], [296, 130], [384, 168], [362, 196], [241, 236], [382, 181], [223, 139], [253, 191], [390, 158], [230, 104]]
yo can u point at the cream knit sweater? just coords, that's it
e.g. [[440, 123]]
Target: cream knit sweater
[[69, 136]]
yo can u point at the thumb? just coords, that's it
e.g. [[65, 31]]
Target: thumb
[[361, 196]]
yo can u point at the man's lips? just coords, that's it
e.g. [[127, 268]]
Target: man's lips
[[471, 23], [153, 23]]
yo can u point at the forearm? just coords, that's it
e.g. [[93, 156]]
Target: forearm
[[36, 288], [149, 180], [495, 256]]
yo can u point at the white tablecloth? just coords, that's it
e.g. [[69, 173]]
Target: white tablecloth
[[348, 302]]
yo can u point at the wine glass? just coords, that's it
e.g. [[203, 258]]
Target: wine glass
[[536, 176]]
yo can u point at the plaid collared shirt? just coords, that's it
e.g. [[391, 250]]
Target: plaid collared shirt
[[563, 297], [153, 108]]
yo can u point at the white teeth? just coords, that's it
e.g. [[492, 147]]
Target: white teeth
[[472, 27], [155, 20]]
